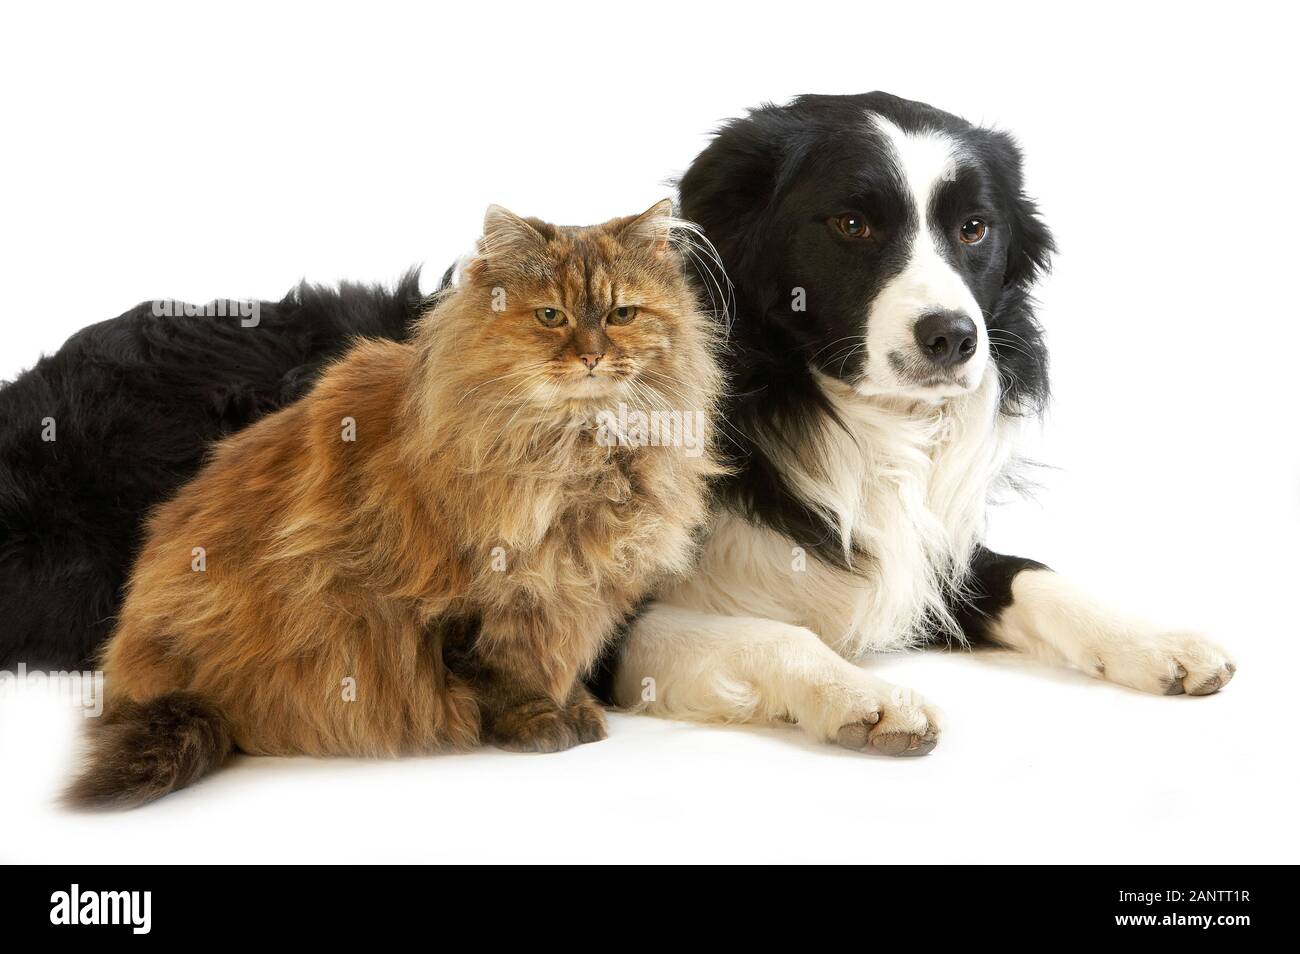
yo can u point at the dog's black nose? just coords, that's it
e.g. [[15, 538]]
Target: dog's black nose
[[947, 338]]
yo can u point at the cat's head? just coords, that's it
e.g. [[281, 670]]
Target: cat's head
[[590, 314]]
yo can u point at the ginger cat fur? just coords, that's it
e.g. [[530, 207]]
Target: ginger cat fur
[[430, 549]]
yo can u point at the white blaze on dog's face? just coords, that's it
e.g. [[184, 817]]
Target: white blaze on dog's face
[[925, 333], [876, 244]]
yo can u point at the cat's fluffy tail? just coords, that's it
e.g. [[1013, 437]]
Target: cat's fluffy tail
[[142, 751]]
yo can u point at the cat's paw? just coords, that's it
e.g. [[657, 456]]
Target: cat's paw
[[588, 720], [541, 726], [1167, 664]]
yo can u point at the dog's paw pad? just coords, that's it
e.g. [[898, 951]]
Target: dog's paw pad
[[856, 735], [904, 743], [1170, 664], [893, 730], [1215, 681]]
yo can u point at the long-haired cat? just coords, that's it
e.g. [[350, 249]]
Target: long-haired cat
[[429, 549]]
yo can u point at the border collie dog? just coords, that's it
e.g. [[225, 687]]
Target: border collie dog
[[117, 419], [883, 348]]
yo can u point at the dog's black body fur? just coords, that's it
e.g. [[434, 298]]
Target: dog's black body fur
[[136, 401], [762, 191]]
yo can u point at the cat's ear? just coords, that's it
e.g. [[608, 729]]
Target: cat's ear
[[652, 228], [504, 231]]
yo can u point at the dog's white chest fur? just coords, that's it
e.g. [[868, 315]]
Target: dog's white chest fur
[[905, 486]]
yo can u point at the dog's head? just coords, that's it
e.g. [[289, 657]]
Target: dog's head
[[884, 242]]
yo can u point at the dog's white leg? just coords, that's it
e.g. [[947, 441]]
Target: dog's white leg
[[1048, 617], [685, 664]]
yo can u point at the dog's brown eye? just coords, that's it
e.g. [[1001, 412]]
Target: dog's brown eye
[[973, 232], [853, 225], [550, 317], [621, 316]]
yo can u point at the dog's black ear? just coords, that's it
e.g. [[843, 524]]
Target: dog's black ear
[[1023, 368], [729, 188], [1032, 245]]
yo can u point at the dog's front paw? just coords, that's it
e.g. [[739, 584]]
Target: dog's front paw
[[884, 719], [1168, 664]]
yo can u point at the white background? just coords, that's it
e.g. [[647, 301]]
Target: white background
[[231, 149]]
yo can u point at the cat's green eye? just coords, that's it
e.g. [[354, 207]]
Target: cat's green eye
[[621, 316], [551, 317]]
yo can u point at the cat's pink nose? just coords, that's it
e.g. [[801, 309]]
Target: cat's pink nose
[[590, 360]]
